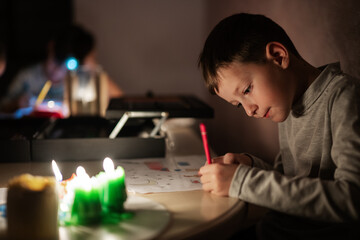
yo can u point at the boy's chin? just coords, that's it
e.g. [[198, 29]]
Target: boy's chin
[[279, 119]]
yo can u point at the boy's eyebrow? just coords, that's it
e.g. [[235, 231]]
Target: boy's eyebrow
[[236, 90], [244, 77]]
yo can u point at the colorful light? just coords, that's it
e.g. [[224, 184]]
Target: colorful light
[[71, 63], [51, 104]]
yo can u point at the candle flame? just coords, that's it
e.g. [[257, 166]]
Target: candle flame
[[108, 165], [56, 170], [94, 182], [120, 172], [83, 179], [80, 171]]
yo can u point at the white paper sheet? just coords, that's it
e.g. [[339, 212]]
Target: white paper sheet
[[151, 175]]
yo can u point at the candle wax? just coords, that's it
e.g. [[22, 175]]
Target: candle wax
[[112, 191], [63, 186], [86, 208]]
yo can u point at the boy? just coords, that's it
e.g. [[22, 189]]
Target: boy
[[313, 188]]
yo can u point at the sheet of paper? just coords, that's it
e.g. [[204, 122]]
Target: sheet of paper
[[151, 175]]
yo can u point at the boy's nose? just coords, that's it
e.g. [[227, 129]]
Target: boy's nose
[[250, 109]]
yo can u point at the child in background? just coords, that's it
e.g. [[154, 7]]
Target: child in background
[[313, 187], [69, 41]]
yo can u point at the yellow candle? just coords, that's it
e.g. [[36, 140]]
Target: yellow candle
[[32, 208]]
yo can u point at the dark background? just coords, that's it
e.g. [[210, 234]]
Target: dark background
[[154, 45], [26, 27]]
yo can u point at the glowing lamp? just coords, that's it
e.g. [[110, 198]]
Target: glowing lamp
[[71, 63]]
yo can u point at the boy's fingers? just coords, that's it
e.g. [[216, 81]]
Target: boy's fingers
[[217, 160], [205, 179], [204, 169], [230, 158]]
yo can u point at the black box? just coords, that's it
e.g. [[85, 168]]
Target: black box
[[15, 138], [86, 138], [178, 106]]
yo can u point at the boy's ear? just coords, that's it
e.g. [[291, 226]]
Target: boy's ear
[[278, 54]]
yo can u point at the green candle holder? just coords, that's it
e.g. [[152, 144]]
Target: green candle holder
[[96, 200], [86, 209], [112, 191]]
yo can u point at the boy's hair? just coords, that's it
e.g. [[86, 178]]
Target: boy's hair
[[242, 38], [72, 41]]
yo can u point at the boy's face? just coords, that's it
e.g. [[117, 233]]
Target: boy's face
[[263, 90]]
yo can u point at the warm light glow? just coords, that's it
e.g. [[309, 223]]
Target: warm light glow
[[80, 172], [108, 165], [51, 104], [83, 179], [56, 170], [120, 172], [94, 182]]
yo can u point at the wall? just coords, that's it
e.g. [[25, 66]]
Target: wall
[[154, 45], [147, 45]]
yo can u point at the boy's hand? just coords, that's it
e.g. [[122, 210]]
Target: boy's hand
[[216, 178], [233, 158]]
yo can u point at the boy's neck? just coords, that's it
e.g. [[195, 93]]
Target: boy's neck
[[305, 74]]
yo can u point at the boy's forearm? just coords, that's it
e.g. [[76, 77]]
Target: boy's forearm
[[305, 197]]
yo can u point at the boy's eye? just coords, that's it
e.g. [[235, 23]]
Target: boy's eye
[[247, 91]]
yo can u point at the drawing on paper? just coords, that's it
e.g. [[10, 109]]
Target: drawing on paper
[[163, 175]]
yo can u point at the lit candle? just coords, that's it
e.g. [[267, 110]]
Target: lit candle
[[59, 177], [66, 200], [112, 188], [56, 170], [32, 207], [86, 208]]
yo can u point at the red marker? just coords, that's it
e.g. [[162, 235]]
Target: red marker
[[205, 142]]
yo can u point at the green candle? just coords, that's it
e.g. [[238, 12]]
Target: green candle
[[112, 188], [86, 208]]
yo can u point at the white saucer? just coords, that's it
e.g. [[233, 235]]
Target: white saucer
[[149, 220]]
